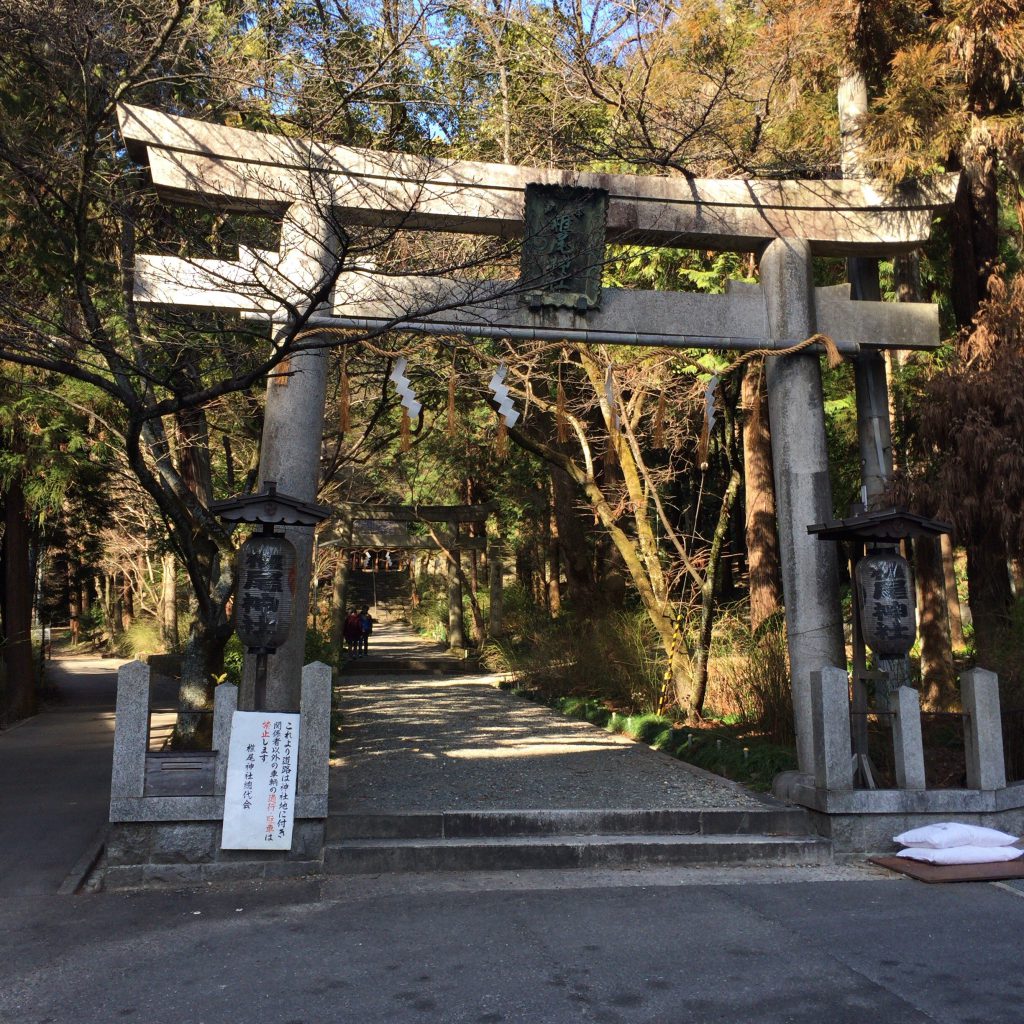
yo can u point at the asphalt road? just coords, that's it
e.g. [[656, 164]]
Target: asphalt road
[[57, 770], [410, 950], [789, 946]]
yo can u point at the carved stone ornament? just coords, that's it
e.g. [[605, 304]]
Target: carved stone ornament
[[563, 248]]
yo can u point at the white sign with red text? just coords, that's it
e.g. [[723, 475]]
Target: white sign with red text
[[259, 800]]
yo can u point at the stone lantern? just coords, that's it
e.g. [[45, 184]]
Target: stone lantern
[[884, 608], [266, 565]]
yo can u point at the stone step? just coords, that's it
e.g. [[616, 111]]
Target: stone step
[[521, 853], [766, 821]]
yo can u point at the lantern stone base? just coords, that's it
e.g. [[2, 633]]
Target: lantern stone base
[[865, 820], [175, 839]]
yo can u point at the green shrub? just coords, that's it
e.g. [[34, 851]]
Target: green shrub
[[234, 656], [730, 751], [429, 614], [761, 684], [615, 658], [743, 758], [140, 639]]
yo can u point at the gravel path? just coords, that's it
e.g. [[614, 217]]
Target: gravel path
[[414, 744]]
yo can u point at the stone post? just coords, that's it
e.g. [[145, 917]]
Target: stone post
[[908, 747], [131, 731], [292, 433], [495, 570], [833, 754], [983, 730], [456, 626], [803, 492], [314, 741], [225, 703]]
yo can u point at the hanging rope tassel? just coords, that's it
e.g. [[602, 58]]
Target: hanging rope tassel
[[343, 399], [406, 431], [561, 422], [659, 422], [832, 353], [501, 445], [451, 401]]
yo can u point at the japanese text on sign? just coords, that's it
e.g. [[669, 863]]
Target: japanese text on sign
[[259, 801]]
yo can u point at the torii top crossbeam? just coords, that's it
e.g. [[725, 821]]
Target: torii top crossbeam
[[228, 169], [238, 170]]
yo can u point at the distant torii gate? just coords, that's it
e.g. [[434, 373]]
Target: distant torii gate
[[316, 187], [358, 528]]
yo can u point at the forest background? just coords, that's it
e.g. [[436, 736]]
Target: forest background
[[642, 544]]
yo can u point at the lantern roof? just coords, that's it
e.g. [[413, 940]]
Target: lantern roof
[[891, 524], [270, 508]]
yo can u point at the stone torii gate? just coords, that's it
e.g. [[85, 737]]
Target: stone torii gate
[[318, 189]]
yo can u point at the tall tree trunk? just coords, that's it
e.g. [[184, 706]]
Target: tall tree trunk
[[765, 573], [338, 588], [169, 602], [702, 654], [975, 224], [127, 602], [988, 585], [956, 624], [937, 672], [554, 568], [74, 599], [20, 698], [975, 257], [109, 597], [938, 678], [576, 553]]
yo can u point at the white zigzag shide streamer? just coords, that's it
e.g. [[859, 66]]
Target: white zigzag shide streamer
[[404, 388], [506, 408]]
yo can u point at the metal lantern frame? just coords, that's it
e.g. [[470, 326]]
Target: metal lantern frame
[[864, 533], [268, 509]]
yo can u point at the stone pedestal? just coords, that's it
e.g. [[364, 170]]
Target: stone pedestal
[[176, 839]]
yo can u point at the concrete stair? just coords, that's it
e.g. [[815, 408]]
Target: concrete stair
[[524, 840]]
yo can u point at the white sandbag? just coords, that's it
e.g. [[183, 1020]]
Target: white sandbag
[[946, 834], [962, 854]]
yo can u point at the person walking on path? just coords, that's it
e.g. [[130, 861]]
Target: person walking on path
[[353, 633], [366, 628]]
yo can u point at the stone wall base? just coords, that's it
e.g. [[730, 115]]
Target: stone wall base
[[188, 852], [872, 833], [864, 821]]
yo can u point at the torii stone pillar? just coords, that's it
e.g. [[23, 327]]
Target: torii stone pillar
[[292, 434], [803, 492], [456, 623], [495, 573], [874, 431]]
